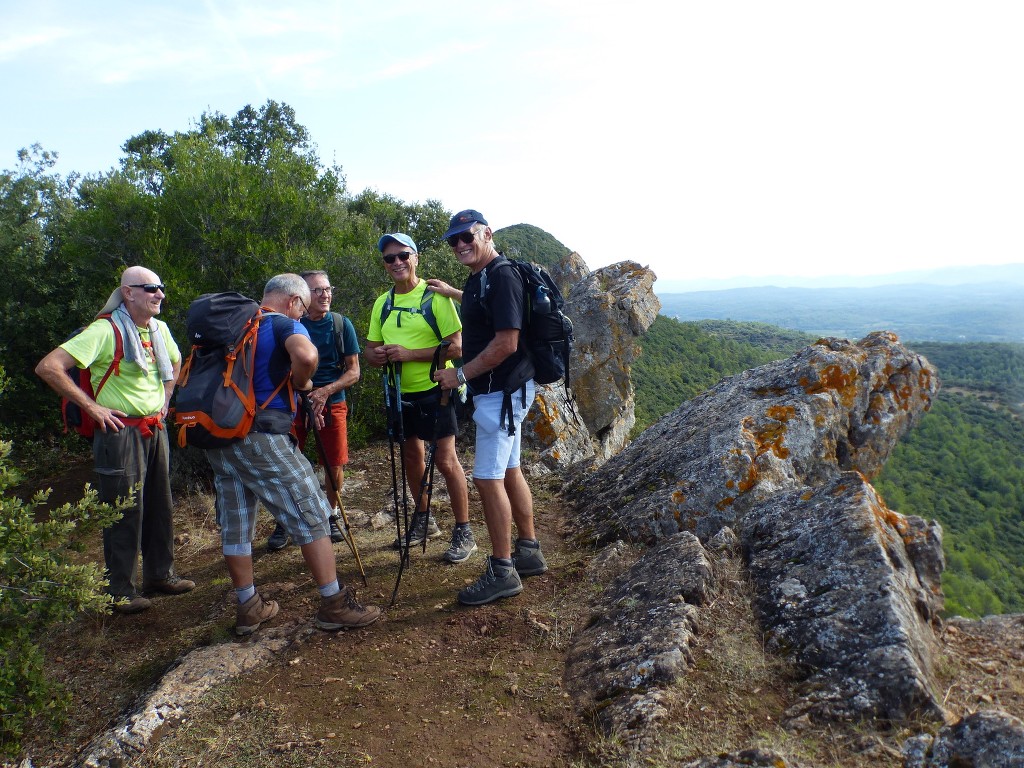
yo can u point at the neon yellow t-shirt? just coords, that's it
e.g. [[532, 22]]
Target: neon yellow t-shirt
[[413, 332], [134, 391]]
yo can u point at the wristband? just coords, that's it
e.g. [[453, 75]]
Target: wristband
[[460, 376]]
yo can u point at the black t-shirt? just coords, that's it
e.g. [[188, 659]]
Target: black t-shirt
[[504, 292]]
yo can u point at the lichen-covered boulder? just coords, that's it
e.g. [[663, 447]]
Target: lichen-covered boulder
[[794, 423]]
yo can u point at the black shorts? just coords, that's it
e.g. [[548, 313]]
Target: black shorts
[[422, 413]]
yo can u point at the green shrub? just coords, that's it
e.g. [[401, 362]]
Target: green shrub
[[41, 585]]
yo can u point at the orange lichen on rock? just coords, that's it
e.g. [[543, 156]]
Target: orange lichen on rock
[[543, 422], [781, 413], [750, 480], [830, 377], [678, 497], [726, 502], [770, 438]]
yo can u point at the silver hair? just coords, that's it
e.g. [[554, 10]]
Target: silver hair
[[288, 284]]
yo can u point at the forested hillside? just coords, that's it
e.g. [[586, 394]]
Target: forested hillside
[[963, 465], [530, 243], [681, 360]]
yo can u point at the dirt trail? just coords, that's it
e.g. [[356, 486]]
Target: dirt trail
[[431, 683]]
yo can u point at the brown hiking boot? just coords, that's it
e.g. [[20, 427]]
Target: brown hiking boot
[[133, 604], [254, 612], [341, 611], [172, 585]]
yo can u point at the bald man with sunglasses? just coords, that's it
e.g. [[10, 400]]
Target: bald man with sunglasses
[[130, 445]]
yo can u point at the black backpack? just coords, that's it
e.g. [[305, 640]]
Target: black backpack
[[547, 332], [546, 338]]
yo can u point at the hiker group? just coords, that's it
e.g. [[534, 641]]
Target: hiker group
[[262, 377]]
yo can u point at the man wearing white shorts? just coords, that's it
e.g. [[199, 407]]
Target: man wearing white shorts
[[492, 318]]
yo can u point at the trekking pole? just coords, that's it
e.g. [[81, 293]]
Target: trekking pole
[[393, 405], [333, 491], [427, 482]]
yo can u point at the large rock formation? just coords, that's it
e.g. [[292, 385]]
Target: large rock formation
[[796, 423], [845, 587], [610, 309]]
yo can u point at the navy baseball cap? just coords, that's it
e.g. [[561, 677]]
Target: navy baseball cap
[[399, 237], [462, 221]]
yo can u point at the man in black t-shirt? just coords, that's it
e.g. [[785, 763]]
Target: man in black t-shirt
[[491, 353]]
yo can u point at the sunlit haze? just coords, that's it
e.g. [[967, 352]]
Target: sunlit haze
[[707, 140]]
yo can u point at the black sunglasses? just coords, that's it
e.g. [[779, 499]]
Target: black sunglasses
[[462, 237], [404, 256], [149, 287]]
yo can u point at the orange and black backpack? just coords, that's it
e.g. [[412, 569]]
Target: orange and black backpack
[[215, 400]]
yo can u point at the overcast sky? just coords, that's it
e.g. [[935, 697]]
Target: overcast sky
[[705, 139]]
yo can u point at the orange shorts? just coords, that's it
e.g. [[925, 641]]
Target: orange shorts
[[334, 434]]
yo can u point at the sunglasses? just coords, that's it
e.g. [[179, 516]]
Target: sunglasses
[[404, 256], [149, 287], [462, 237]]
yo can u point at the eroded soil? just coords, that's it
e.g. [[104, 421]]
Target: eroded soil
[[433, 683]]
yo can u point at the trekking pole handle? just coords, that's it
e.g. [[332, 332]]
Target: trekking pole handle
[[437, 363]]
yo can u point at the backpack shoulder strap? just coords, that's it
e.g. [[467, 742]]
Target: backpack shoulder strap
[[389, 304], [485, 285], [427, 310], [339, 336], [115, 364]]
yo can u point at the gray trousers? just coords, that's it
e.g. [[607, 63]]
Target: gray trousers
[[123, 459]]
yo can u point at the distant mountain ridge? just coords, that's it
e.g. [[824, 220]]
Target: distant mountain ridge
[[991, 311], [960, 275]]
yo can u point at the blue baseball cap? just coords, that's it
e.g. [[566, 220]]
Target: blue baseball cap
[[462, 221], [399, 237]]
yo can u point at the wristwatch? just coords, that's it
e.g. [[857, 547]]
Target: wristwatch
[[460, 375]]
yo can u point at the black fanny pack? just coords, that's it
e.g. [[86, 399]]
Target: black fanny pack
[[272, 422]]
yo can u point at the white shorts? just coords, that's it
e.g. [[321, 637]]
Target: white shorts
[[497, 450]]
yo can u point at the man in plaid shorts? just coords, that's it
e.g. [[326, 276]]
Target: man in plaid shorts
[[266, 467]]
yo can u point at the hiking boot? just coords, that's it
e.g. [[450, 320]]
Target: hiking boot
[[528, 559], [336, 535], [278, 539], [341, 611], [462, 546], [172, 585], [422, 524], [498, 581], [134, 604], [252, 613]]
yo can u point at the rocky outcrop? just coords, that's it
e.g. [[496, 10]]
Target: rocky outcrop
[[795, 423], [180, 689], [610, 308], [782, 454], [637, 641], [989, 739], [840, 594]]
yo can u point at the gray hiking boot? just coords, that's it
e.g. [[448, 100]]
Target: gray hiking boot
[[422, 525], [462, 546], [278, 539], [341, 611], [252, 613], [337, 536], [498, 581], [528, 559]]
